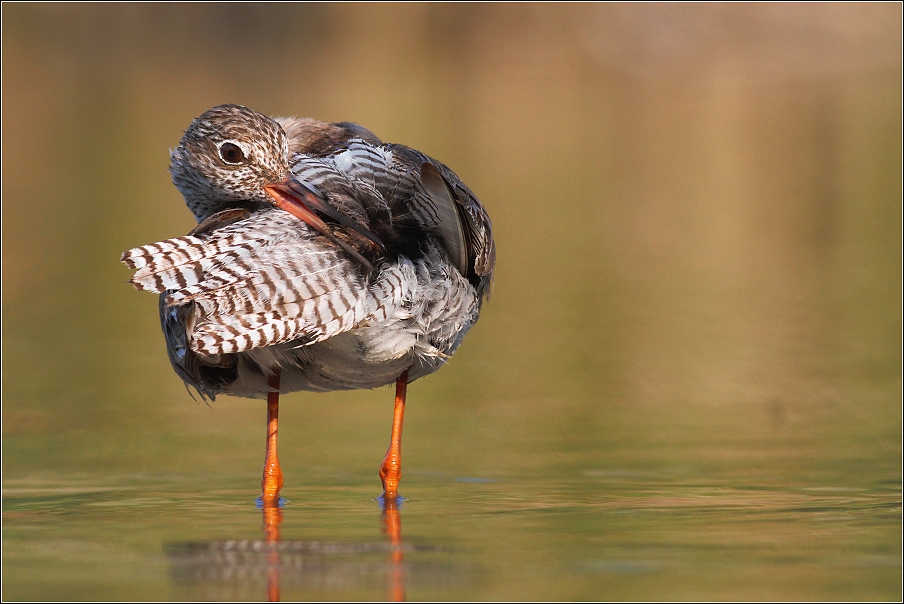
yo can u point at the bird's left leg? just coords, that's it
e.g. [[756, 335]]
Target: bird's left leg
[[272, 481]]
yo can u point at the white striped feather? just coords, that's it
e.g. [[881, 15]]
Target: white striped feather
[[279, 284]]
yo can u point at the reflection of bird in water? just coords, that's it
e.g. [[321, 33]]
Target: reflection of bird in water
[[241, 569], [323, 260], [392, 526]]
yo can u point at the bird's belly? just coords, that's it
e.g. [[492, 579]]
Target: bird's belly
[[347, 361], [368, 357]]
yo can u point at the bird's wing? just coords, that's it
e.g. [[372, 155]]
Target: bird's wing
[[418, 194], [260, 281], [441, 201], [476, 226]]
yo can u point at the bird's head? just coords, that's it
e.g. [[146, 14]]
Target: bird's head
[[233, 157], [226, 157]]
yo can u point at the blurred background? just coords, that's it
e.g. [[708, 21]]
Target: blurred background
[[697, 305]]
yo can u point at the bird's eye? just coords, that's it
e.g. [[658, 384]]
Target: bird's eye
[[231, 153]]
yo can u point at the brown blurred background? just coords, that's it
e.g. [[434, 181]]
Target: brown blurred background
[[688, 199]]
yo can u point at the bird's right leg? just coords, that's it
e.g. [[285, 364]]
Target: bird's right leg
[[272, 481]]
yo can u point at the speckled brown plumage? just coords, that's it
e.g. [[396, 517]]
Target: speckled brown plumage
[[392, 281]]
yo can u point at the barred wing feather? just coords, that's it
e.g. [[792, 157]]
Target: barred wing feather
[[256, 282]]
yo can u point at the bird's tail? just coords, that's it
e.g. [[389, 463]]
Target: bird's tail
[[172, 264]]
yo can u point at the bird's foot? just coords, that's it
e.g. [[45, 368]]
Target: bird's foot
[[261, 502], [390, 503]]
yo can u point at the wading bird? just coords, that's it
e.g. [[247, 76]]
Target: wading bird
[[324, 259]]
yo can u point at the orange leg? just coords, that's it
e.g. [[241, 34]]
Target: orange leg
[[273, 479], [391, 470]]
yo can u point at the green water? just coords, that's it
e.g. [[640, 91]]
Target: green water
[[687, 382], [609, 534]]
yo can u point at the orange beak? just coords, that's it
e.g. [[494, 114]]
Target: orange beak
[[300, 201]]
